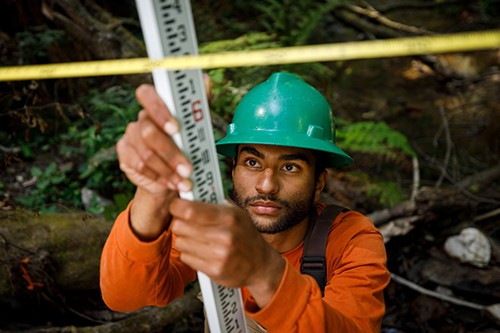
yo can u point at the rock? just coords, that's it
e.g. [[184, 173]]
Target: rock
[[91, 198], [471, 246]]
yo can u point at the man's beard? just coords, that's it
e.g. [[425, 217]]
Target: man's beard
[[294, 212]]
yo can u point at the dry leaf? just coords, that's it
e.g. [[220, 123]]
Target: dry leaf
[[80, 113], [42, 124], [60, 110]]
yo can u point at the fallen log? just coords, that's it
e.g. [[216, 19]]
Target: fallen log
[[61, 251], [382, 216], [150, 319]]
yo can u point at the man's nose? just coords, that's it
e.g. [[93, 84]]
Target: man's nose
[[267, 182]]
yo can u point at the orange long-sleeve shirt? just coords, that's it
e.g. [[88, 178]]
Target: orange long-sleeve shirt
[[135, 274]]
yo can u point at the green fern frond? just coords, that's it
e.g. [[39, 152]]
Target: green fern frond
[[389, 194], [373, 138], [386, 193], [102, 156], [252, 41]]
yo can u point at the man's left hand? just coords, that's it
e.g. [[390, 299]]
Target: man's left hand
[[222, 242]]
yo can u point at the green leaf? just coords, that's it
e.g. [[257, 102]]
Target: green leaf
[[86, 173], [74, 184], [51, 169], [36, 172], [121, 201], [58, 179], [474, 188], [43, 183], [375, 138], [109, 212], [27, 201], [26, 151]]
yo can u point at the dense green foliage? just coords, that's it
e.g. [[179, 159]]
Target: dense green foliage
[[83, 134], [373, 138], [33, 43], [293, 21], [89, 140]]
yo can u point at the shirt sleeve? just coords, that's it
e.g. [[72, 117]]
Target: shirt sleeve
[[135, 274], [353, 301]]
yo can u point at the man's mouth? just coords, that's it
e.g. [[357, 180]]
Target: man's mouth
[[265, 207]]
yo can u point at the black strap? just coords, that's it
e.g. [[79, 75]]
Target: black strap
[[313, 262]]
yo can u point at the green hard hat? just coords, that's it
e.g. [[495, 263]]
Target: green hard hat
[[284, 111]]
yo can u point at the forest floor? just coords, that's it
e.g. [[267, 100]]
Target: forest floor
[[395, 91]]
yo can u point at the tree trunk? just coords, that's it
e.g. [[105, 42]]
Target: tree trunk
[[104, 36]]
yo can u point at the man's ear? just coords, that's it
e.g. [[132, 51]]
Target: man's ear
[[320, 185]]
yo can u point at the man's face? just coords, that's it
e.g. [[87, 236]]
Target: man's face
[[275, 185]]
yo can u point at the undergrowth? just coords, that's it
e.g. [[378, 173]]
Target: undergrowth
[[85, 134]]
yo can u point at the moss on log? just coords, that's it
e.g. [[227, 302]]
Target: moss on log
[[63, 251]]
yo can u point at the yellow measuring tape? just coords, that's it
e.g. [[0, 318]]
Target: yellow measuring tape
[[459, 42]]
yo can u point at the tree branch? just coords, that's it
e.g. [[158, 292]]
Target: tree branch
[[382, 31], [376, 15], [437, 295], [449, 145], [416, 178], [14, 150], [381, 216]]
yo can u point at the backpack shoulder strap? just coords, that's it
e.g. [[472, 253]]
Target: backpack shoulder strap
[[313, 262]]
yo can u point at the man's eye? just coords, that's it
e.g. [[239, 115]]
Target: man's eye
[[252, 163], [290, 168]]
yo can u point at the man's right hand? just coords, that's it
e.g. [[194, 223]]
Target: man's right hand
[[153, 162], [148, 155]]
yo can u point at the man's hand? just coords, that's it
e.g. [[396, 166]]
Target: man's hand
[[222, 242], [148, 155], [153, 162]]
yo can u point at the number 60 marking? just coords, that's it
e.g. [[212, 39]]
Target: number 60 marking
[[197, 113]]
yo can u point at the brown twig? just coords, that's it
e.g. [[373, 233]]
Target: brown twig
[[487, 215], [14, 150], [376, 15], [437, 295], [384, 31], [52, 204], [462, 189], [6, 241], [35, 107], [416, 178], [449, 145], [492, 311], [433, 163]]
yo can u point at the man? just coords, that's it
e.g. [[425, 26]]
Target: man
[[281, 140]]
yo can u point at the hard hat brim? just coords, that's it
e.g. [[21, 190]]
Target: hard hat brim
[[337, 158]]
